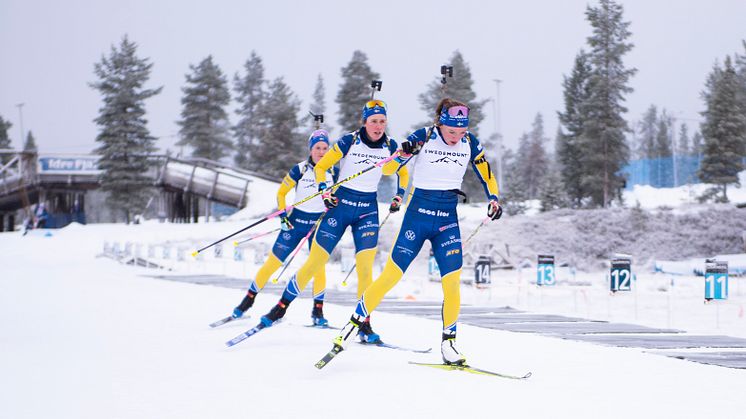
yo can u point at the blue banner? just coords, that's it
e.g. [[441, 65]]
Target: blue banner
[[68, 164]]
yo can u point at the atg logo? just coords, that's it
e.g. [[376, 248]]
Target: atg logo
[[453, 252]]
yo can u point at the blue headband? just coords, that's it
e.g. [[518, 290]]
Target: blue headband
[[318, 136], [375, 110], [455, 116]]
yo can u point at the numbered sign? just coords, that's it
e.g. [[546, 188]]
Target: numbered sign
[[482, 270], [151, 251], [218, 251], [545, 270], [166, 252], [716, 281], [238, 254], [620, 275]]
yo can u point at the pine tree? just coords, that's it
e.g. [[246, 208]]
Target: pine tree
[[568, 144], [551, 191], [741, 77], [512, 194], [279, 132], [663, 142], [354, 91], [125, 142], [697, 144], [604, 143], [318, 102], [517, 167], [532, 159], [4, 139], [30, 144], [250, 94], [648, 130], [723, 129], [459, 87], [683, 149], [663, 151], [204, 121]]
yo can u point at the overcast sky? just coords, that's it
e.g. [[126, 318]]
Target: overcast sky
[[48, 50]]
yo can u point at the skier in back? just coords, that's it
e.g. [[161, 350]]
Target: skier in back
[[296, 225]]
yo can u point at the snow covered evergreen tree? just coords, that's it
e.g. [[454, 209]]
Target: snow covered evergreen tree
[[663, 143], [459, 87], [740, 67], [354, 91], [282, 145], [318, 103], [250, 95], [569, 142], [204, 122], [4, 139], [30, 144], [512, 194], [551, 190], [648, 132], [682, 147], [532, 162], [124, 140], [604, 143], [697, 144], [723, 129]]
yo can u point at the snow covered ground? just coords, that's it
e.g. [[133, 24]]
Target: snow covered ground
[[86, 337]]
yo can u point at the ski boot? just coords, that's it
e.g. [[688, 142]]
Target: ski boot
[[246, 304], [366, 333], [277, 312], [451, 356], [318, 314]]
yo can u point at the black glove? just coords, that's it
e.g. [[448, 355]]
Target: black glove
[[494, 210], [395, 204], [330, 201], [411, 147], [285, 224]]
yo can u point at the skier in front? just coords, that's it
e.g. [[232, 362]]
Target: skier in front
[[353, 205], [442, 154], [296, 225]]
